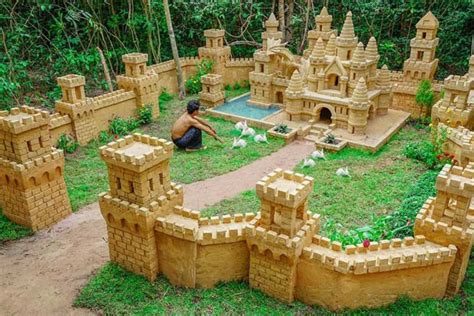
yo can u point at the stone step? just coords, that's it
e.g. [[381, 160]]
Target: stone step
[[311, 138]]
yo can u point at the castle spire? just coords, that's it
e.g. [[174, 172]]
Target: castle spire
[[296, 83], [359, 54], [371, 50], [384, 77], [331, 46], [324, 12], [318, 50], [348, 27], [360, 95]]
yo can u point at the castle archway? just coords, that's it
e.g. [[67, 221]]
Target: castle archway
[[324, 113]]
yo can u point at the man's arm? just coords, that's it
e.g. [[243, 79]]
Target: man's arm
[[208, 130], [204, 122]]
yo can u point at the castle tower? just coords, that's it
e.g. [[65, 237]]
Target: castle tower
[[140, 190], [422, 63], [358, 68], [448, 218], [271, 31], [294, 97], [383, 83], [323, 30], [372, 55], [215, 50], [331, 46], [317, 63], [33, 188], [278, 237], [79, 108], [142, 81], [346, 42], [212, 93], [358, 109]]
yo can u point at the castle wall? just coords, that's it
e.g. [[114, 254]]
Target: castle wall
[[237, 70], [167, 72], [59, 125], [119, 103], [317, 284]]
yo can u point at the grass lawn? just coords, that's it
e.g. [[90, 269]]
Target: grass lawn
[[378, 183], [10, 230], [86, 174]]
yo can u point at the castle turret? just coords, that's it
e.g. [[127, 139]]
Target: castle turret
[[33, 188], [140, 80], [278, 237], [331, 46], [215, 50], [212, 93], [346, 42], [140, 190], [317, 64], [372, 55], [422, 63], [385, 96], [358, 67], [294, 96], [271, 31], [322, 30], [358, 109]]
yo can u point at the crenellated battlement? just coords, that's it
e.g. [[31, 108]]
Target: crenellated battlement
[[240, 62], [20, 120], [460, 83]]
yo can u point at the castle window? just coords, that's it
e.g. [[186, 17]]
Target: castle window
[[40, 140], [30, 148], [419, 55], [118, 183], [13, 147], [161, 178], [314, 71], [262, 68], [423, 35], [130, 187], [353, 76], [150, 183], [78, 93], [263, 93], [320, 27], [348, 55], [208, 90]]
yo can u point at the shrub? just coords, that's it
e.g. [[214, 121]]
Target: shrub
[[282, 129], [193, 84], [246, 84], [67, 143], [145, 114], [431, 153], [164, 98], [237, 86], [330, 139], [105, 137], [121, 127], [424, 96]]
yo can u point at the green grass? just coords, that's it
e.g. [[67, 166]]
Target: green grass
[[378, 184], [115, 291], [86, 174], [11, 231]]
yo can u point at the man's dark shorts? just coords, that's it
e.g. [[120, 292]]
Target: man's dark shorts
[[192, 139]]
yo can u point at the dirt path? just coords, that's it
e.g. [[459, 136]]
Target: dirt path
[[42, 274]]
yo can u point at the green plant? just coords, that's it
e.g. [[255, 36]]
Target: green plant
[[10, 230], [237, 86], [105, 137], [145, 114], [430, 152], [67, 143], [424, 96], [282, 128], [121, 127], [227, 87], [330, 139], [193, 84]]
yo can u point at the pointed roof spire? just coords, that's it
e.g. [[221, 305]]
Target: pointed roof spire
[[428, 21], [272, 22], [383, 78], [348, 27], [359, 54], [371, 51], [296, 82], [331, 46], [360, 92], [318, 49], [324, 12], [272, 17]]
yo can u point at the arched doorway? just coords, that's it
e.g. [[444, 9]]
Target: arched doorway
[[279, 97], [325, 116]]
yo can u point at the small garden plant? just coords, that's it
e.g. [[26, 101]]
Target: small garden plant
[[330, 139], [193, 84], [282, 128], [67, 143]]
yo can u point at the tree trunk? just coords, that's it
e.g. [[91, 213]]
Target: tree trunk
[[106, 69], [289, 16], [281, 17], [174, 48]]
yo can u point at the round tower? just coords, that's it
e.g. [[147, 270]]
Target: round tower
[[358, 68], [358, 109], [294, 96], [385, 97], [317, 64], [372, 56], [346, 42]]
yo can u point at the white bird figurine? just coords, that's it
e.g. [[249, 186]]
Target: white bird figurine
[[248, 131], [241, 125], [239, 143], [308, 163], [261, 138], [318, 154], [343, 172]]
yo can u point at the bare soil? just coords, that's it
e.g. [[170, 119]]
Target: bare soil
[[42, 274]]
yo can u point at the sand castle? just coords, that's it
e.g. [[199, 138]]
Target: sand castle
[[278, 250]]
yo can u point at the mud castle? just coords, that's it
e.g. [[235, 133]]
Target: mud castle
[[278, 250]]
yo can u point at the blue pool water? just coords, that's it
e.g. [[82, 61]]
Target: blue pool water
[[240, 107]]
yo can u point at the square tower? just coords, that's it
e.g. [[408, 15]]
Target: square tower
[[140, 191], [322, 30], [215, 50], [34, 191], [212, 93]]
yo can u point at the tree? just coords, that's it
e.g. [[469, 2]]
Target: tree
[[281, 16], [424, 96], [174, 48]]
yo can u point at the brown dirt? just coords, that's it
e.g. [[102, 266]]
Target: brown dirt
[[42, 274]]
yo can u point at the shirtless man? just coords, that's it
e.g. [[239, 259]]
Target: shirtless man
[[186, 132]]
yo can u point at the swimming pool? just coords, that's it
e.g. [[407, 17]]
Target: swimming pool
[[239, 106]]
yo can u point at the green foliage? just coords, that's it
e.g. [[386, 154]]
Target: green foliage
[[228, 87], [237, 86], [10, 230], [67, 143], [193, 84], [429, 152], [282, 128], [145, 114], [330, 139], [164, 98], [424, 96], [121, 127]]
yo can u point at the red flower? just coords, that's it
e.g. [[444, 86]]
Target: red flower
[[454, 162], [446, 154], [115, 136], [439, 157], [366, 243]]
